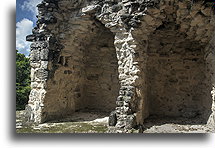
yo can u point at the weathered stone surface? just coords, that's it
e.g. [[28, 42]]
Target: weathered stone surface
[[91, 9], [112, 119], [137, 58], [41, 74], [44, 54], [35, 55]]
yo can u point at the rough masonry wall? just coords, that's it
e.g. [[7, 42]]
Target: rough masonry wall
[[82, 68], [101, 84], [86, 76], [173, 41], [176, 76], [68, 34], [57, 74]]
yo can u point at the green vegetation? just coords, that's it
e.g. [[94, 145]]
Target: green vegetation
[[22, 80]]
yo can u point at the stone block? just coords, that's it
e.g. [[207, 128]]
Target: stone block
[[41, 74], [44, 54]]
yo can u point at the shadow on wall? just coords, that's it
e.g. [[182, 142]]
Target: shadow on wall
[[86, 79], [178, 86]]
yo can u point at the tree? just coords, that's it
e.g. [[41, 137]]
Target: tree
[[22, 80]]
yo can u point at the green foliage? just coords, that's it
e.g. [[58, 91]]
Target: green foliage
[[22, 80]]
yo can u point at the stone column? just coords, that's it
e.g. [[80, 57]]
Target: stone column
[[41, 54], [39, 76], [131, 103]]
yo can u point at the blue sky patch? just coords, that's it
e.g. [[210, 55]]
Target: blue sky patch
[[26, 12]]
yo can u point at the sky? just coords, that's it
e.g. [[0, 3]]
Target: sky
[[26, 12]]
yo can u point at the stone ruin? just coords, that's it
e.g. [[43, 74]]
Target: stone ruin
[[134, 59]]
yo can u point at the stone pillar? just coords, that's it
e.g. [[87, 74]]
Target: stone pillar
[[40, 57], [132, 106], [131, 103], [130, 100], [39, 76]]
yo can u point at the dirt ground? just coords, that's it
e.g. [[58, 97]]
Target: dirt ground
[[96, 122], [177, 125], [80, 122]]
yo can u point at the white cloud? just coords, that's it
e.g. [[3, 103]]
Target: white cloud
[[23, 28], [30, 5]]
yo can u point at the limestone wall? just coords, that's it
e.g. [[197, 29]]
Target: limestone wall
[[101, 84], [159, 48], [176, 74], [176, 83], [173, 41]]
